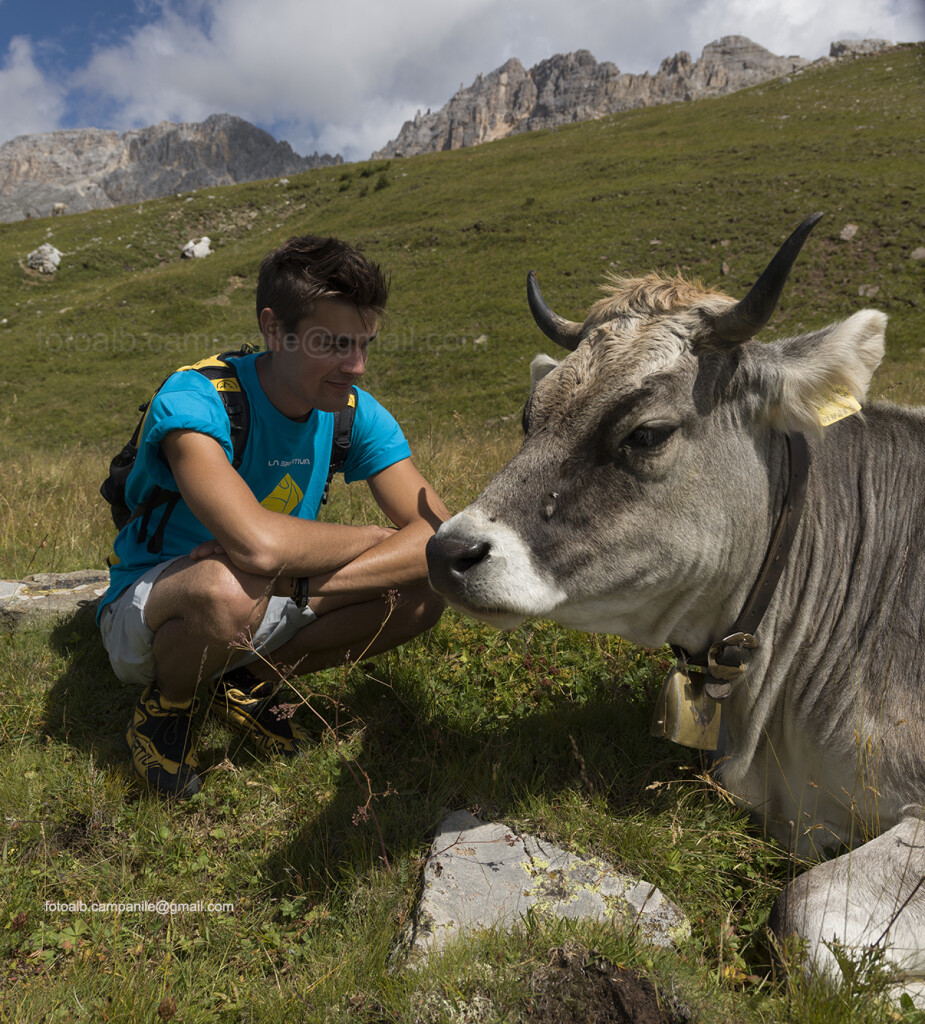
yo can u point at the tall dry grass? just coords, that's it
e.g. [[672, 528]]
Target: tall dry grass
[[52, 518]]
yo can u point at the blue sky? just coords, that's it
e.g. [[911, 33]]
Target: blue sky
[[343, 76]]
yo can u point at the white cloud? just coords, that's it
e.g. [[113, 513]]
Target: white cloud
[[807, 29], [296, 65], [29, 102]]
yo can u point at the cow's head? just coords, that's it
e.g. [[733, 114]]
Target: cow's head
[[653, 462]]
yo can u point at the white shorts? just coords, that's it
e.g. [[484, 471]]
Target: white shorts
[[129, 642]]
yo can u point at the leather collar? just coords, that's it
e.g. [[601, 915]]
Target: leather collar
[[723, 662]]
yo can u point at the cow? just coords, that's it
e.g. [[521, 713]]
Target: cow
[[676, 485]]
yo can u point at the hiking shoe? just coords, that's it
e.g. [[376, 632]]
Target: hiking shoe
[[160, 738], [251, 706]]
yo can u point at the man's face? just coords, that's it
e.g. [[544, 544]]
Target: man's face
[[315, 366]]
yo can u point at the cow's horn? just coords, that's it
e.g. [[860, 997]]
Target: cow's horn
[[746, 318], [563, 332]]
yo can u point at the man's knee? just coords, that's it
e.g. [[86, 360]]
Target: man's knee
[[214, 593]]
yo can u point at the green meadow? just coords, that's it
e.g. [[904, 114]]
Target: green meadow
[[541, 727]]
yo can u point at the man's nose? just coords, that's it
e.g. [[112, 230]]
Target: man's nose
[[354, 361]]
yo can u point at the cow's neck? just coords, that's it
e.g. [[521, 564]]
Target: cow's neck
[[712, 609], [729, 650]]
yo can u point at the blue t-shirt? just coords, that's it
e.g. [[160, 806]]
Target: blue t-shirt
[[285, 462]]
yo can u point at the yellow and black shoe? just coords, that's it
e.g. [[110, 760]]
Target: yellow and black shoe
[[251, 706], [160, 738]]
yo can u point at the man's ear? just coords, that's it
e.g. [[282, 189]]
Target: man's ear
[[789, 381], [271, 328]]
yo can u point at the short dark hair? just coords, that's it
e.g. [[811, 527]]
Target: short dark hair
[[310, 267]]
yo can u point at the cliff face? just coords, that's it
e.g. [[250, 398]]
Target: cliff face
[[91, 169], [575, 87]]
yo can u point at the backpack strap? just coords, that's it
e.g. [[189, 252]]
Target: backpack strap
[[340, 445], [159, 496], [219, 369]]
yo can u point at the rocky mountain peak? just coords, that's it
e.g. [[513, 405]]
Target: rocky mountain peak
[[92, 168], [575, 87]]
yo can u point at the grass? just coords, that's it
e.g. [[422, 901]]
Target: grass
[[321, 859]]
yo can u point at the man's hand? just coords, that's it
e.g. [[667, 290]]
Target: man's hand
[[207, 549]]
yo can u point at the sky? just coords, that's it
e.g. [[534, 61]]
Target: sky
[[344, 75]]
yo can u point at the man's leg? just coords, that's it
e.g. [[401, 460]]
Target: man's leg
[[204, 614], [354, 630], [195, 610], [247, 695]]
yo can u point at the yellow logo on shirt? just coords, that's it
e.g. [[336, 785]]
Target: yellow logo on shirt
[[285, 496]]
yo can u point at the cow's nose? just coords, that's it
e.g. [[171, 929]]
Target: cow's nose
[[449, 559]]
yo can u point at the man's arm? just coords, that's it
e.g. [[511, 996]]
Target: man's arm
[[255, 539], [409, 501]]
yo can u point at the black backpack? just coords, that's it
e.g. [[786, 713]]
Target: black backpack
[[220, 370]]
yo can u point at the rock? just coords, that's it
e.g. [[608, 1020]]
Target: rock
[[868, 291], [46, 595], [575, 87], [45, 259], [858, 47], [93, 169], [918, 254], [197, 248], [848, 232], [482, 875]]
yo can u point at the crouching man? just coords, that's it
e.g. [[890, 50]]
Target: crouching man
[[230, 575]]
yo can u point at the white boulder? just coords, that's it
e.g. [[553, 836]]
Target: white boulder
[[45, 259], [196, 248]]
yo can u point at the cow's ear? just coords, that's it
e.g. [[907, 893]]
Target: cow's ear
[[540, 367], [793, 379]]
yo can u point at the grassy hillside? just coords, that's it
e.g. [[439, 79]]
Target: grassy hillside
[[541, 727], [689, 186]]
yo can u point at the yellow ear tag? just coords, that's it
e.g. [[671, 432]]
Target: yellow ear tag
[[840, 405]]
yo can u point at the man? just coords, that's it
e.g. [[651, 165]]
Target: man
[[245, 581]]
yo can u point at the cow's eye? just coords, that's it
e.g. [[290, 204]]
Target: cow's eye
[[648, 438]]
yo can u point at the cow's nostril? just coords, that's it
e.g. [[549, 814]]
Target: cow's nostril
[[450, 558], [468, 555]]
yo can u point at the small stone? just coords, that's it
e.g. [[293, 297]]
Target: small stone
[[868, 291], [919, 253], [848, 232]]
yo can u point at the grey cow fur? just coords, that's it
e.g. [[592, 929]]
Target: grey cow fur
[[642, 503]]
